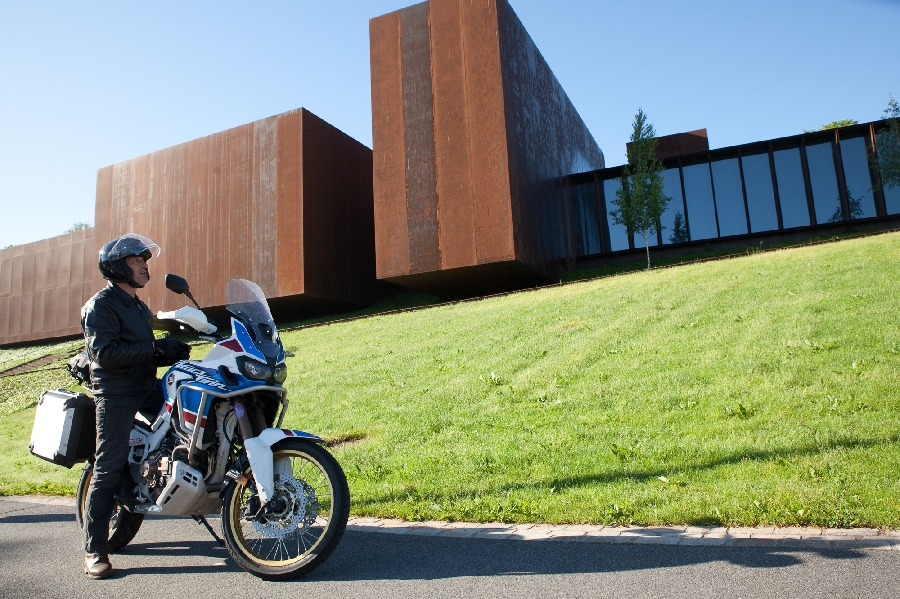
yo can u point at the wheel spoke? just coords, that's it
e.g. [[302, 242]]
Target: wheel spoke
[[288, 536]]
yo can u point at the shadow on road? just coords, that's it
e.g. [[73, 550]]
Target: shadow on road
[[374, 556], [367, 556], [36, 518]]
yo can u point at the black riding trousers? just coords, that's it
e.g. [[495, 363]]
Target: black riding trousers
[[115, 417]]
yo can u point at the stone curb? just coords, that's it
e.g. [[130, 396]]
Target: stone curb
[[787, 538]]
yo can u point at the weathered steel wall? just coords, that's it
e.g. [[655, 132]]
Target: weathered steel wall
[[679, 144], [43, 286], [285, 202], [547, 140], [472, 136]]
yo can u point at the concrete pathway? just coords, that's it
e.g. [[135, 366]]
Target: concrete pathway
[[792, 537]]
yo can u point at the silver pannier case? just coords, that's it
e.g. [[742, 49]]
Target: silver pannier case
[[64, 428]]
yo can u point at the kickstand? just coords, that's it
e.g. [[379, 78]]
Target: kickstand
[[202, 520]]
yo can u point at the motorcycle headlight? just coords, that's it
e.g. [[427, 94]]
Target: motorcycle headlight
[[255, 370], [280, 373]]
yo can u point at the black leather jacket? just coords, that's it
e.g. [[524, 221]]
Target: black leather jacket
[[119, 341]]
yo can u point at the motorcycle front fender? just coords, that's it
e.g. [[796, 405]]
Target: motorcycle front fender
[[259, 456]]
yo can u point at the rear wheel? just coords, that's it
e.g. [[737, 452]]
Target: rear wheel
[[311, 506], [123, 526]]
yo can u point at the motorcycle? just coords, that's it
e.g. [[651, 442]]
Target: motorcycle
[[217, 446]]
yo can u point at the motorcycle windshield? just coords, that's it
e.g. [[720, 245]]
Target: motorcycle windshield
[[247, 302]]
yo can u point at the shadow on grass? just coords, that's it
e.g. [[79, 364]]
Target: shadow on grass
[[688, 257]]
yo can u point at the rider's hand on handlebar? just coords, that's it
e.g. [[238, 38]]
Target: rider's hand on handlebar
[[167, 351]]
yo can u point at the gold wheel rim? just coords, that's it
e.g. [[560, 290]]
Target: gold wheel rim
[[236, 522]]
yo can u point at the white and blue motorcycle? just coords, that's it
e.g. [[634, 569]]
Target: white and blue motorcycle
[[218, 446]]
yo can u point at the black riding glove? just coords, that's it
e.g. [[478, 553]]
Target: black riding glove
[[167, 351]]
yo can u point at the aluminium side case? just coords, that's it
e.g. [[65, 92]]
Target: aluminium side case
[[65, 428]]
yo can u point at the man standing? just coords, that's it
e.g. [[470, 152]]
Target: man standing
[[124, 357]]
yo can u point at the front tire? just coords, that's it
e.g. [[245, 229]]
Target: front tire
[[315, 505], [123, 526]]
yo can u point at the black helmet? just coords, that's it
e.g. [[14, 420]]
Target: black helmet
[[113, 254]]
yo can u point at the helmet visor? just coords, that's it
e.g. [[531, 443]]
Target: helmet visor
[[133, 244]]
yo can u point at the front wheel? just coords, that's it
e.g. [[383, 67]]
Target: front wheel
[[123, 526], [311, 505]]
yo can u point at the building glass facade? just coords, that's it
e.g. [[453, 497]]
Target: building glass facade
[[791, 188], [757, 172], [823, 181], [800, 181], [701, 207], [674, 213], [729, 197], [891, 194], [860, 198], [618, 234]]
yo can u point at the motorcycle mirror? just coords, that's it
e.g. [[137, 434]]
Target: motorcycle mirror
[[176, 284], [180, 286]]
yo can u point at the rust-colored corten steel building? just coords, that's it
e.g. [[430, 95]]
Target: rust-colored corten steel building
[[285, 201], [464, 193], [43, 286], [472, 139]]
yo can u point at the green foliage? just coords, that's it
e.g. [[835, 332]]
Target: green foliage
[[77, 227], [887, 160], [640, 202], [834, 125]]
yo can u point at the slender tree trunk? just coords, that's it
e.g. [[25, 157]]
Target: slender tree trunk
[[647, 246]]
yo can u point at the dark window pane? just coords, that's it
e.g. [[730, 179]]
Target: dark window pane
[[760, 193], [639, 240], [618, 235], [672, 188], [729, 197], [791, 190], [587, 224], [823, 181], [701, 215], [891, 194], [856, 174]]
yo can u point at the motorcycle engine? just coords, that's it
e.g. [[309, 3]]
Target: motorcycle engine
[[152, 474]]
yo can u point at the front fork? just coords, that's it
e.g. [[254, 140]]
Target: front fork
[[243, 417]]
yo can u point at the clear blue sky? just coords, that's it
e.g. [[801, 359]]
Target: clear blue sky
[[87, 84]]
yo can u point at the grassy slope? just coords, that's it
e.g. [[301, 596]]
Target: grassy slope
[[762, 389], [748, 391]]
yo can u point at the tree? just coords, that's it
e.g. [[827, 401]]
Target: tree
[[856, 210], [834, 125], [77, 227], [679, 230], [887, 161], [641, 201]]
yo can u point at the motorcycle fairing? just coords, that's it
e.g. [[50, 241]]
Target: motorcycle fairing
[[259, 453], [207, 378], [243, 337]]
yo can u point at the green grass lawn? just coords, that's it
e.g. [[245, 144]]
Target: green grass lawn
[[757, 390]]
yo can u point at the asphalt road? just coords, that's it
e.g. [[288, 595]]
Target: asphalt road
[[40, 557]]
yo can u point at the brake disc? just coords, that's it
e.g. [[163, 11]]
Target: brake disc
[[298, 514]]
